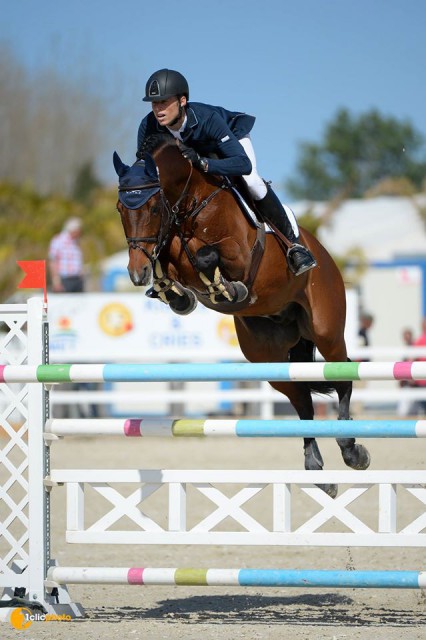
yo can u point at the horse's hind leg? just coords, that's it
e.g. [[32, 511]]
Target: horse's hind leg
[[300, 397], [354, 455], [333, 349], [262, 340]]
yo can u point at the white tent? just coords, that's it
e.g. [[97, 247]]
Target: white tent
[[385, 228]]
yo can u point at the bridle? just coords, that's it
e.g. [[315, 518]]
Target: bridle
[[136, 242], [170, 215]]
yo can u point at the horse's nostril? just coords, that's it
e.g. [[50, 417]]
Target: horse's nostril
[[140, 276]]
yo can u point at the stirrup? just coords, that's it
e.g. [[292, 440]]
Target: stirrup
[[309, 260]]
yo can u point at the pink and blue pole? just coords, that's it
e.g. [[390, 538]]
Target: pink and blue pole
[[239, 577]]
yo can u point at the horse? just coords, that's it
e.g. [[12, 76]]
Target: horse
[[187, 232]]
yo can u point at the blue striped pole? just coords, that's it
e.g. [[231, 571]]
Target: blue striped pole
[[238, 577], [183, 427], [208, 372]]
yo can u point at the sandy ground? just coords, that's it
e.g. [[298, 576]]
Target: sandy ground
[[198, 612]]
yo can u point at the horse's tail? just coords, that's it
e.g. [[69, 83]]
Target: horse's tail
[[304, 351]]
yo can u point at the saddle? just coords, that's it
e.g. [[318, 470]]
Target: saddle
[[239, 190]]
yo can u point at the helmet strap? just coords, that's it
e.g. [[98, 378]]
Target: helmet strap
[[179, 116]]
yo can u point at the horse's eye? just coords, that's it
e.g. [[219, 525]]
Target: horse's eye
[[154, 209]]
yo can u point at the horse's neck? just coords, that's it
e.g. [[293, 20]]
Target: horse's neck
[[173, 169], [179, 182]]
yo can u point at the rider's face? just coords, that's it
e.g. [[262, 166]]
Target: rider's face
[[166, 111]]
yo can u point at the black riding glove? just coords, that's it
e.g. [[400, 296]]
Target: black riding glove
[[192, 156]]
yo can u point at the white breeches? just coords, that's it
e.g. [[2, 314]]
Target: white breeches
[[256, 185]]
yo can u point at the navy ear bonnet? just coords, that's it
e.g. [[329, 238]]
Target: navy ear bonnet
[[138, 183]]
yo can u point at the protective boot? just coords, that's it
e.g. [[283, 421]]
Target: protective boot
[[299, 258]]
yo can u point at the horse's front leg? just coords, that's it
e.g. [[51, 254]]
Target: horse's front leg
[[181, 300], [207, 260]]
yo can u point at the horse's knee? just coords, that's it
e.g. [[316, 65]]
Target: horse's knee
[[206, 260]]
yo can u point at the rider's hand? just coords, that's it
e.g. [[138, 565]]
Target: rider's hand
[[192, 156]]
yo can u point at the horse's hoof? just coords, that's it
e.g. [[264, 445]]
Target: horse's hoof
[[356, 457], [329, 489], [185, 304]]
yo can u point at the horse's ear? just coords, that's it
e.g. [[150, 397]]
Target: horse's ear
[[119, 166], [150, 167]]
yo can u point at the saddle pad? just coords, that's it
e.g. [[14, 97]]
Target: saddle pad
[[248, 212]]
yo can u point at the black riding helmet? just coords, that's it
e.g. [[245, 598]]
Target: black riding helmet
[[164, 84]]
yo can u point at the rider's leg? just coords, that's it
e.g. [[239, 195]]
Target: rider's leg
[[299, 257]]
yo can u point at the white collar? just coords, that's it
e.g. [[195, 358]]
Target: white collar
[[178, 134]]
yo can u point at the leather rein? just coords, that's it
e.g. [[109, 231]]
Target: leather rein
[[170, 217]]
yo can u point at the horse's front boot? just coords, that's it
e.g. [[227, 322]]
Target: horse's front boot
[[182, 302], [314, 462], [354, 455], [220, 290]]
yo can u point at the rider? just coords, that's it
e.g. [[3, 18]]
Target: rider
[[201, 130]]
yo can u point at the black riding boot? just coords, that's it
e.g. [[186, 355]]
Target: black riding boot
[[299, 258]]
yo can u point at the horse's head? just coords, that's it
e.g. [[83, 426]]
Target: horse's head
[[140, 204]]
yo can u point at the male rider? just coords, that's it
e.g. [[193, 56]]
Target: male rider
[[201, 130]]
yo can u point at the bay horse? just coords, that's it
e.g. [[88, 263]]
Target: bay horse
[[187, 232]]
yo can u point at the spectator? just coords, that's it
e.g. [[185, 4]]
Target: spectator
[[365, 323], [408, 337], [66, 259], [421, 342], [66, 273], [405, 406]]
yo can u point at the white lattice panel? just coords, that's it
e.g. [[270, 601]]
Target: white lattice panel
[[224, 512], [14, 499]]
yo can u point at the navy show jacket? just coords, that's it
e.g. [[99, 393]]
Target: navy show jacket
[[210, 130]]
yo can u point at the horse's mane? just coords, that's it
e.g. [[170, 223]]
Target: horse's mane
[[153, 142]]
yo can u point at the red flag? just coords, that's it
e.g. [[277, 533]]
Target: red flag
[[35, 275]]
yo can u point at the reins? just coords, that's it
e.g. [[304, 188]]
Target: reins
[[170, 217], [167, 221]]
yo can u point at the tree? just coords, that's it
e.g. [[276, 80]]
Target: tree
[[85, 183], [357, 153], [28, 221], [54, 120]]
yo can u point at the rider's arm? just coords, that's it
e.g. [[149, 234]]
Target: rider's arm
[[233, 160]]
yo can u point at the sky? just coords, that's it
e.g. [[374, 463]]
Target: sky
[[290, 63]]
